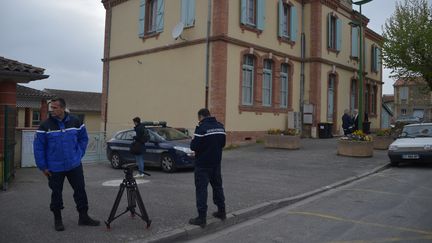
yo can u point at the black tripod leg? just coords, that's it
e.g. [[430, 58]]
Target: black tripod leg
[[144, 215], [131, 200], [115, 206]]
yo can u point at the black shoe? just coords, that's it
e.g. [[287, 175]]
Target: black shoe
[[58, 225], [84, 219], [198, 221], [220, 214]]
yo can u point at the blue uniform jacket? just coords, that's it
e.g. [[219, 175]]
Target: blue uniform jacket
[[59, 145], [208, 142]]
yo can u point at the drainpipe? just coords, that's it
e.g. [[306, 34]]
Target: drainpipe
[[108, 40], [302, 70], [207, 70]]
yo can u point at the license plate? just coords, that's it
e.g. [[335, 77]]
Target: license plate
[[410, 156]]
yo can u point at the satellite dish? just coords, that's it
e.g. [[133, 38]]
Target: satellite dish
[[177, 31]]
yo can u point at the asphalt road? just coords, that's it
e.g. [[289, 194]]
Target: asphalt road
[[252, 175], [392, 206]]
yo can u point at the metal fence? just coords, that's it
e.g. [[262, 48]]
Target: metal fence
[[96, 148]]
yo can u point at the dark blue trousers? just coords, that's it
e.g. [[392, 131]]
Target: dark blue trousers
[[76, 180], [202, 178]]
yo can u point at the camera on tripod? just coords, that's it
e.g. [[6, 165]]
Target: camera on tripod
[[133, 197]]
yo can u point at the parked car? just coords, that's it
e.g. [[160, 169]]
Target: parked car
[[167, 148], [414, 144], [408, 119]]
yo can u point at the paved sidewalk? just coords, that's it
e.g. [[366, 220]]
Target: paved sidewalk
[[252, 175]]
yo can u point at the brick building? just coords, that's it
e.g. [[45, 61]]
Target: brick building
[[252, 62], [413, 98]]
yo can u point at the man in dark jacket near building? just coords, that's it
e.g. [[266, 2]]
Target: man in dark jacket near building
[[59, 146], [347, 122], [208, 142]]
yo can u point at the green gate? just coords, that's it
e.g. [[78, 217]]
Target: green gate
[[7, 163]]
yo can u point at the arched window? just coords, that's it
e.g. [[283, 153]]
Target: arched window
[[331, 97], [284, 85], [353, 95], [248, 79], [267, 83]]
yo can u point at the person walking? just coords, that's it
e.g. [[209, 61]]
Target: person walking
[[141, 137], [208, 142], [347, 124], [60, 144]]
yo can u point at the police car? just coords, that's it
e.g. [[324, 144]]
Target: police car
[[168, 148]]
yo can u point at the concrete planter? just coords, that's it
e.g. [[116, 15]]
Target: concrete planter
[[284, 142], [382, 142], [355, 148]]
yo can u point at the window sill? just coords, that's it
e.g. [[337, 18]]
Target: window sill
[[286, 40], [333, 50], [150, 35], [250, 28], [354, 58], [263, 109]]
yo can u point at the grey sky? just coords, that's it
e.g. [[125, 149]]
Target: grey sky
[[66, 38]]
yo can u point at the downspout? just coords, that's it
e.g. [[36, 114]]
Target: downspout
[[207, 69], [302, 70], [107, 60]]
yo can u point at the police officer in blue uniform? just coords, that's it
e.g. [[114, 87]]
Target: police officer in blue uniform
[[59, 146], [208, 142]]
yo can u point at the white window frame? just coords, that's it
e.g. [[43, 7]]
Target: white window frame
[[247, 85], [267, 83], [284, 89]]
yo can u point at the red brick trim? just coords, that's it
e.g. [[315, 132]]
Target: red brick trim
[[237, 137], [108, 4]]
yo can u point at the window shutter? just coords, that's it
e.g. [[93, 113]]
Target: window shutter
[[329, 44], [184, 11], [293, 23], [243, 17], [378, 54], [261, 14], [191, 13], [354, 42], [281, 20], [141, 23], [373, 59], [338, 34], [160, 16]]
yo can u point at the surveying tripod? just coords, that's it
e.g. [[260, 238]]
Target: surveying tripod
[[133, 198]]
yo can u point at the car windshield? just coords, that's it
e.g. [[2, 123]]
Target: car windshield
[[417, 131], [169, 133]]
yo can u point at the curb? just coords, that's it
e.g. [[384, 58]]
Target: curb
[[189, 232]]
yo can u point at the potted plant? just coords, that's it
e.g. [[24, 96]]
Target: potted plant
[[357, 144], [286, 139], [383, 138]]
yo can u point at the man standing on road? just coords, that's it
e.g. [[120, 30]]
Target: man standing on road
[[347, 124], [208, 142], [59, 146], [141, 137]]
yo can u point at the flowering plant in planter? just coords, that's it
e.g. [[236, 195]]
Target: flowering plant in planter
[[357, 135], [287, 132], [384, 132]]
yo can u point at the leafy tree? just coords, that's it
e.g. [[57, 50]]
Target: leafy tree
[[407, 49]]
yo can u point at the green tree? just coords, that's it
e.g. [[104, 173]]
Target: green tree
[[407, 49]]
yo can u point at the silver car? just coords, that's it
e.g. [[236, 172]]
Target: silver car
[[414, 144]]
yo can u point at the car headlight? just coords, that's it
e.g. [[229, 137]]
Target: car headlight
[[393, 147], [427, 147], [187, 151]]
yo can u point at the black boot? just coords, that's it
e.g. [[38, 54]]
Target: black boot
[[84, 219], [220, 214], [200, 221], [58, 223]]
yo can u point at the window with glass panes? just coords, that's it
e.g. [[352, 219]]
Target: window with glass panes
[[248, 79], [267, 83], [251, 12], [284, 85], [151, 16]]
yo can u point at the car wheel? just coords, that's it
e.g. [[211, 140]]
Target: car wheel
[[167, 163], [115, 160], [394, 162]]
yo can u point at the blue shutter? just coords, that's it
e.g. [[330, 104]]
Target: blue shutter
[[354, 41], [141, 19], [184, 11], [378, 54], [294, 24], [281, 16], [329, 34], [191, 13], [243, 17], [160, 16], [338, 34], [373, 59], [261, 14]]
